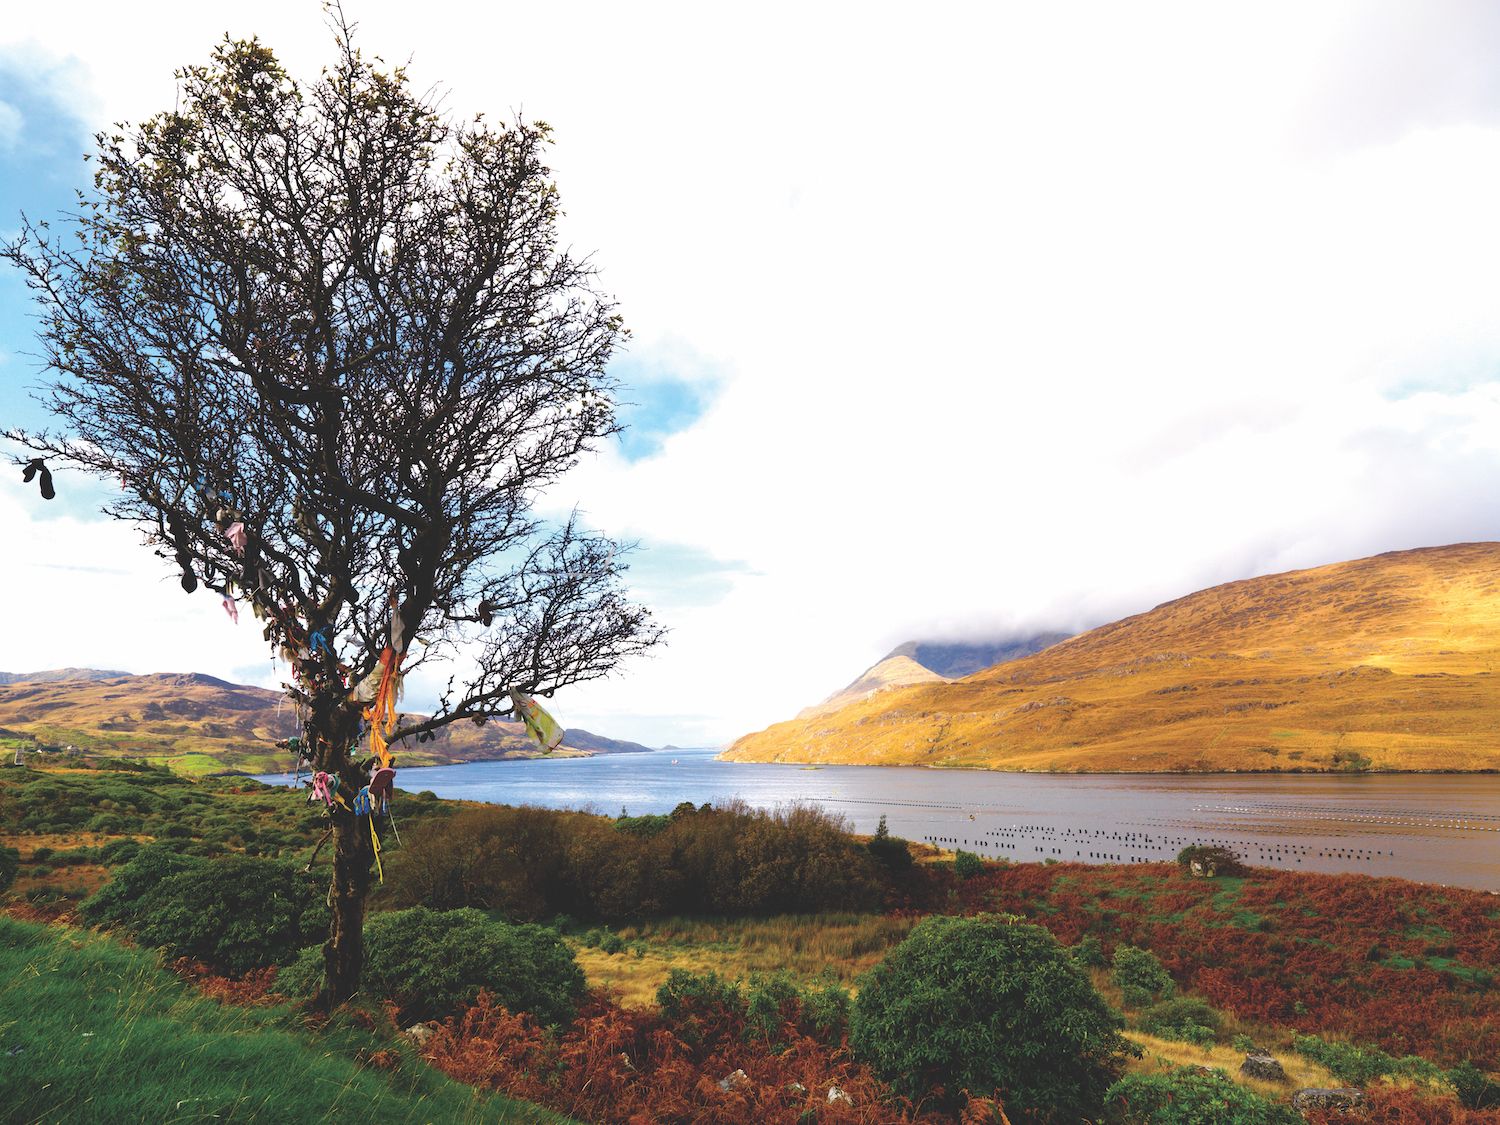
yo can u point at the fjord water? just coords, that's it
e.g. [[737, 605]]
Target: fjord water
[[1434, 828]]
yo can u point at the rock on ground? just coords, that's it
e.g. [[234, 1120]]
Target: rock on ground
[[1260, 1064], [1344, 1097]]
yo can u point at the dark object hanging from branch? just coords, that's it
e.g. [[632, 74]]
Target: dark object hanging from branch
[[36, 466]]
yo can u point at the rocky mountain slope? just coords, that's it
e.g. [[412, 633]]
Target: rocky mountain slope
[[1379, 663], [929, 662], [200, 724]]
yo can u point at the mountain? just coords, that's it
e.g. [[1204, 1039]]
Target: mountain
[[57, 674], [953, 660], [200, 724], [926, 662], [1382, 663]]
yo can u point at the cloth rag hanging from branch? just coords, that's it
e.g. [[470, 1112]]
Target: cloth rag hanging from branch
[[545, 731]]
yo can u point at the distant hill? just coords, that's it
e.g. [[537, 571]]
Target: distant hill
[[1383, 663], [580, 739], [59, 674], [927, 662], [200, 724]]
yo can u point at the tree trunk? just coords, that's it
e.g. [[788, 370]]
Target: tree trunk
[[344, 951], [333, 726]]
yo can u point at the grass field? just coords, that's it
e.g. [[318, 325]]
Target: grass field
[[91, 1031], [811, 948]]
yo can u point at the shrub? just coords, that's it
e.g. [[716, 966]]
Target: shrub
[[1360, 1066], [1185, 1018], [685, 993], [1474, 1088], [1212, 860], [10, 863], [890, 851], [536, 863], [235, 913], [703, 1008], [826, 1010], [1088, 952], [772, 1002], [1139, 975], [1191, 1097], [642, 825], [434, 963], [986, 1004], [966, 864], [118, 901]]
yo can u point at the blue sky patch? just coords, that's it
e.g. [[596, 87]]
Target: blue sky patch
[[42, 146], [658, 398]]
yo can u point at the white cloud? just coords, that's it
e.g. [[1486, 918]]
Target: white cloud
[[1023, 316], [82, 590]]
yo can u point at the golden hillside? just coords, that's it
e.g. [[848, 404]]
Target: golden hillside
[[198, 724], [1381, 663]]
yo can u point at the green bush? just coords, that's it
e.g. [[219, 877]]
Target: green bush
[[10, 863], [1185, 1018], [892, 852], [826, 1010], [642, 825], [966, 864], [686, 993], [1360, 1066], [1088, 952], [704, 1009], [1191, 1097], [772, 1002], [233, 913], [116, 903], [988, 1005], [1474, 1088], [433, 963], [1213, 859], [1139, 975]]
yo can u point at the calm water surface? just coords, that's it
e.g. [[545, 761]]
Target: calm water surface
[[1435, 828]]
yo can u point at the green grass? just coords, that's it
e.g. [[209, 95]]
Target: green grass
[[194, 765], [811, 948], [91, 1031]]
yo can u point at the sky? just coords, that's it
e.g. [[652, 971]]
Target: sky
[[952, 324]]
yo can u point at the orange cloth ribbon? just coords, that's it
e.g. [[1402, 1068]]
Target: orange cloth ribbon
[[381, 714]]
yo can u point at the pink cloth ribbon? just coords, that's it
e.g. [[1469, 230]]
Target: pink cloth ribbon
[[235, 533], [232, 609], [382, 782]]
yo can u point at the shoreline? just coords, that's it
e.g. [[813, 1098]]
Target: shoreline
[[1301, 771]]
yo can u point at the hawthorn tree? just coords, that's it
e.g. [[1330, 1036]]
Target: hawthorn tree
[[327, 342]]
